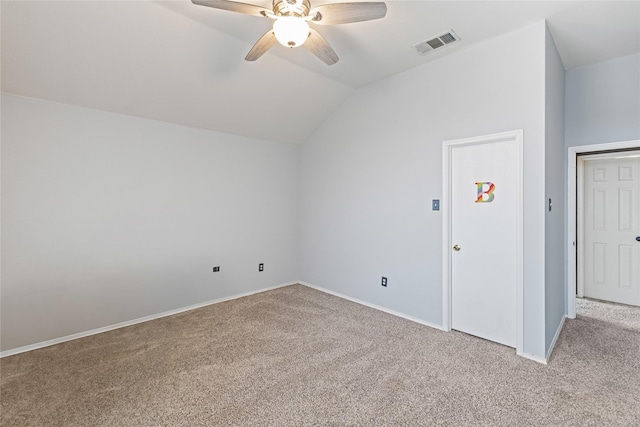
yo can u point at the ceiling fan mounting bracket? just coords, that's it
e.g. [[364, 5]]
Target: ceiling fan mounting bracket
[[299, 8]]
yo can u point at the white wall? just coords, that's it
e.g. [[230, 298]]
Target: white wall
[[555, 289], [369, 172], [108, 218], [603, 102]]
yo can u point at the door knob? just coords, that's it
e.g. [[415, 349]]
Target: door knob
[[456, 248], [638, 239]]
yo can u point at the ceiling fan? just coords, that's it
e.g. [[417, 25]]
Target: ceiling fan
[[291, 22]]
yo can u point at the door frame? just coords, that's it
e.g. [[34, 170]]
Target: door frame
[[517, 137], [575, 175]]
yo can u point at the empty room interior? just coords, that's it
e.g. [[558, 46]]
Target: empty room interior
[[294, 212]]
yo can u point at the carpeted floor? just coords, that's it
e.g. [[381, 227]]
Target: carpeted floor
[[295, 357], [622, 315]]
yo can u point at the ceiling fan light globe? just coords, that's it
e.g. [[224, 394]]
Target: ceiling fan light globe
[[291, 31]]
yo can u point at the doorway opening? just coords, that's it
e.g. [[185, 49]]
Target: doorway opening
[[575, 219]]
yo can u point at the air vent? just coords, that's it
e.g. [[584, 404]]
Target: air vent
[[435, 43]]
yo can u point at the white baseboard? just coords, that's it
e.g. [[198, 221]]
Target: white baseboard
[[534, 358], [432, 325], [545, 360], [54, 341], [377, 307], [555, 338], [72, 337]]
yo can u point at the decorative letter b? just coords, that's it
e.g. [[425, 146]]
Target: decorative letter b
[[485, 195]]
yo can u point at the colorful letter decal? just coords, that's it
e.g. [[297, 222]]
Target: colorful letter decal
[[485, 192]]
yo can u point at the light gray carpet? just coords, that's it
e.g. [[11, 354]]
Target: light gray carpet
[[295, 357], [625, 316]]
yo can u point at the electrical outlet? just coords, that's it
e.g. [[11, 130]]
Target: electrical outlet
[[261, 267], [384, 281], [216, 269]]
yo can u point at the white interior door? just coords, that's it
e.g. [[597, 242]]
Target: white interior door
[[611, 212], [485, 227]]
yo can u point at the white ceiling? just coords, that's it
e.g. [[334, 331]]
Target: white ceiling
[[178, 62]]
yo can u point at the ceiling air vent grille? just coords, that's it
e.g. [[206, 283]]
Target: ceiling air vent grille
[[435, 43]]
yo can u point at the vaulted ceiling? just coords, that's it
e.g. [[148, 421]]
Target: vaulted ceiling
[[178, 62]]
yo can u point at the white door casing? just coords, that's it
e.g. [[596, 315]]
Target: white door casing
[[609, 254], [482, 215], [574, 175]]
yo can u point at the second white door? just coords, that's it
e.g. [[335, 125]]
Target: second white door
[[611, 230]]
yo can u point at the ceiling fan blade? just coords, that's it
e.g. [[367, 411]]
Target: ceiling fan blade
[[264, 44], [320, 48], [249, 9], [345, 13]]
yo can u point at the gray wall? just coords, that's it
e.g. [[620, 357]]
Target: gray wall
[[369, 172], [603, 102], [602, 105], [108, 218], [555, 290]]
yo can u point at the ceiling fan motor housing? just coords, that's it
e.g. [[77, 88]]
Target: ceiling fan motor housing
[[291, 7]]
